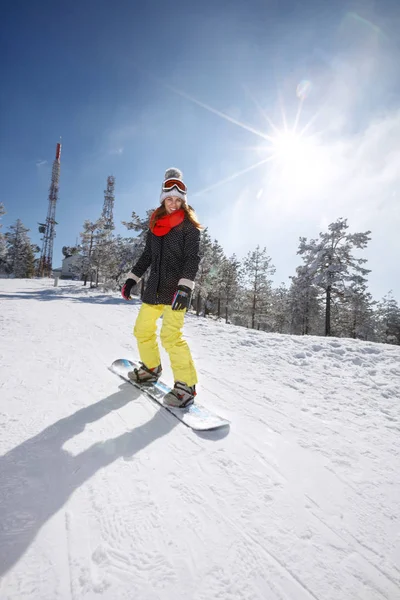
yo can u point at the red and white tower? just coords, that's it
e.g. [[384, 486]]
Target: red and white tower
[[48, 228]]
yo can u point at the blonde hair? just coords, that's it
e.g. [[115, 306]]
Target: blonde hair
[[161, 211]]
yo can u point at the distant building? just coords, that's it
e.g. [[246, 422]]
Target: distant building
[[72, 267]]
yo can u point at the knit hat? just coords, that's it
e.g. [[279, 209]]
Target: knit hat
[[173, 174]]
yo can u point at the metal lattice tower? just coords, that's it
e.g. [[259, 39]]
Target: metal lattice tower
[[48, 228], [108, 206]]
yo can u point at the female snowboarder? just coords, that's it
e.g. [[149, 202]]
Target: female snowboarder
[[172, 253]]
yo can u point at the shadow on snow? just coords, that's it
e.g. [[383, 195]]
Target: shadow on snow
[[77, 295], [38, 476]]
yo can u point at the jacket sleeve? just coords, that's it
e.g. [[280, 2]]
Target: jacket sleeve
[[191, 257], [143, 263]]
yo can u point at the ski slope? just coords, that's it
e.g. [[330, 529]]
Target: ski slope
[[103, 495]]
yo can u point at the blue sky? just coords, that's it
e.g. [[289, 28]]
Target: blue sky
[[134, 88]]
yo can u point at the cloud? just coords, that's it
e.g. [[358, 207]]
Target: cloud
[[41, 163]]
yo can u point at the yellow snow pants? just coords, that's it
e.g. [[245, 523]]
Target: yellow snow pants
[[171, 338]]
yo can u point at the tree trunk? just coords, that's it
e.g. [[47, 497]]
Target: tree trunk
[[207, 305], [90, 262], [306, 315], [353, 326], [198, 303], [328, 311], [253, 311], [305, 326]]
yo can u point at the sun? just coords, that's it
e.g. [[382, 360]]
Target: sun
[[288, 146], [298, 159]]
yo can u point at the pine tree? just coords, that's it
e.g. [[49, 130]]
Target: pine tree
[[30, 265], [137, 224], [389, 320], [305, 308], [330, 262], [20, 259], [257, 268], [126, 253], [205, 267], [102, 255], [229, 283], [213, 283], [280, 309], [88, 237], [355, 314]]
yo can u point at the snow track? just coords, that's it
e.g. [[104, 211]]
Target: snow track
[[105, 495]]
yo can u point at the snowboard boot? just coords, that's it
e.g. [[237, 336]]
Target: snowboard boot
[[143, 375], [181, 396]]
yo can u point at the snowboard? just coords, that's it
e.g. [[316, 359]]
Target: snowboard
[[196, 416]]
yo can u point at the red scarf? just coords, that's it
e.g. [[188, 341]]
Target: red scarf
[[164, 225]]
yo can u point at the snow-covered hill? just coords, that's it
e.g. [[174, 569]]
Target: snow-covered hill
[[105, 495]]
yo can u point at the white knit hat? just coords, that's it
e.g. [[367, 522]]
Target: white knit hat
[[173, 174]]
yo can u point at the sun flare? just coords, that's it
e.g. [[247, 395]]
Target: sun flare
[[288, 146], [299, 160]]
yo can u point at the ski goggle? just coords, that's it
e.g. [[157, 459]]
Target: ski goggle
[[169, 184]]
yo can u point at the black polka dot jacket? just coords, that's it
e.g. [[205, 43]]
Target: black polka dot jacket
[[173, 260]]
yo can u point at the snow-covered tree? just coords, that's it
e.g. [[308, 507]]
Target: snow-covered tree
[[88, 237], [30, 264], [102, 254], [20, 257], [330, 261], [257, 269], [280, 309], [105, 256], [205, 266], [355, 311], [212, 285], [388, 314], [126, 251], [305, 305], [137, 224], [229, 284]]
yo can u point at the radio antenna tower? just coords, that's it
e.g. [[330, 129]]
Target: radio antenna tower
[[108, 207], [48, 228]]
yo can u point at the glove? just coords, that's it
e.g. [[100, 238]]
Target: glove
[[182, 297], [127, 288]]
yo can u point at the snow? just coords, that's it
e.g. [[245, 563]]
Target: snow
[[105, 495]]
